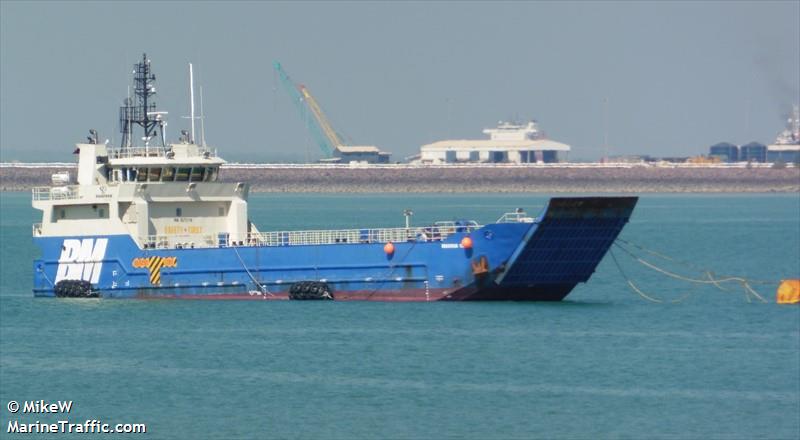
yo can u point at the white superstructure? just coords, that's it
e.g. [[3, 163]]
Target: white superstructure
[[787, 145], [508, 142], [169, 197], [509, 131], [160, 195]]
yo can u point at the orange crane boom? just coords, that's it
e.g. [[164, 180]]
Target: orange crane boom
[[323, 122]]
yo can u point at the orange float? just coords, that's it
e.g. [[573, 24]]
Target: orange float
[[466, 243], [788, 292], [388, 248]]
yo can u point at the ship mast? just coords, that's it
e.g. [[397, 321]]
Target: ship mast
[[191, 99], [202, 120], [142, 112], [190, 136]]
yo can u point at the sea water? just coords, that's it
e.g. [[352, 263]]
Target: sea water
[[606, 362]]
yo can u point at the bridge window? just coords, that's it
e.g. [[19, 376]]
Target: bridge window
[[183, 174], [211, 174], [155, 174], [197, 174], [168, 175], [178, 212]]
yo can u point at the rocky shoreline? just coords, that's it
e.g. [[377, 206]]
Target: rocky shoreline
[[478, 179]]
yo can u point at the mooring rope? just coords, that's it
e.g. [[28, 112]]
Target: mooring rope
[[47, 278], [261, 287], [710, 276], [630, 283], [639, 291], [747, 288], [690, 265], [744, 282]]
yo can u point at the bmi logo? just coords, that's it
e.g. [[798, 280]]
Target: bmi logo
[[81, 259]]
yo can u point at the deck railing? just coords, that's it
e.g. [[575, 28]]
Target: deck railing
[[151, 151], [437, 232], [518, 216], [55, 193], [127, 152]]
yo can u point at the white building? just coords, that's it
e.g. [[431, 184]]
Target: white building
[[508, 142]]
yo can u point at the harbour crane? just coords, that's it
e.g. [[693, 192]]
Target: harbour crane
[[321, 129]]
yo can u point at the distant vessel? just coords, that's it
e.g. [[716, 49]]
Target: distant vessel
[[511, 131], [787, 145], [154, 221]]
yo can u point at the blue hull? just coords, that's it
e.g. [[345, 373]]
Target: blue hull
[[543, 260]]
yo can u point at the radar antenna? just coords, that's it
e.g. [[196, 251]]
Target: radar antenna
[[142, 111]]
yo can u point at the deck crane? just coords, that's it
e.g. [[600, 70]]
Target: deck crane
[[320, 128]]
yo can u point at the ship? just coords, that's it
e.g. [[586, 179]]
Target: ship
[[153, 219], [786, 148]]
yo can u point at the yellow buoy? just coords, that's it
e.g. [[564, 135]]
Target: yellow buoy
[[788, 292]]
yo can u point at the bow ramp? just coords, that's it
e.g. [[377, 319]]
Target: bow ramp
[[566, 245]]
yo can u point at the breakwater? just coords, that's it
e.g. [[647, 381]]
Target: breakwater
[[540, 179]]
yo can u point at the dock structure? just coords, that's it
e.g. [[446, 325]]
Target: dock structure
[[785, 149], [545, 178]]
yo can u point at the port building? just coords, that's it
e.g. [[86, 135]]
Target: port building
[[726, 152], [508, 143], [753, 152]]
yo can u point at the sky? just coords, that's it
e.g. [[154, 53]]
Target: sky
[[656, 78]]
